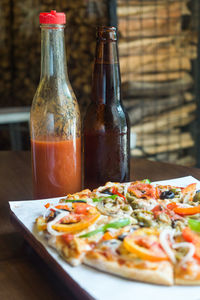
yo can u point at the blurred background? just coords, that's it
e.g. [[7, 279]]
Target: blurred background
[[159, 60]]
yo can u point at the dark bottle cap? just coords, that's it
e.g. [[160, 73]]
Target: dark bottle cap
[[107, 33]]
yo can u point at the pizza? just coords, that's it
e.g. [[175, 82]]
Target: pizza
[[137, 230]]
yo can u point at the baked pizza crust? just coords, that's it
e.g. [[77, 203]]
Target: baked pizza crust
[[190, 275], [162, 274], [181, 281], [78, 251], [72, 252]]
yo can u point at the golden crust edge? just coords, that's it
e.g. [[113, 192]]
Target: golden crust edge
[[62, 250], [180, 281], [163, 275]]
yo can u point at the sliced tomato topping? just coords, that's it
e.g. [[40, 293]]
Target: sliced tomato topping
[[172, 205], [144, 243], [144, 190], [82, 208], [78, 208], [71, 218], [191, 188], [158, 209], [192, 237], [68, 237]]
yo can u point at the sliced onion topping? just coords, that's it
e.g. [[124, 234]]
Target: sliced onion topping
[[110, 184], [126, 186], [54, 221], [164, 236], [191, 251]]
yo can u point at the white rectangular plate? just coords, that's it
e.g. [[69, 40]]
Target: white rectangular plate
[[98, 284]]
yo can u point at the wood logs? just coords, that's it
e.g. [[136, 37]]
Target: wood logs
[[5, 59], [140, 108], [20, 46], [153, 9], [156, 56], [174, 118], [153, 89]]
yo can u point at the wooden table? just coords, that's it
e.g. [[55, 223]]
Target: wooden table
[[23, 275]]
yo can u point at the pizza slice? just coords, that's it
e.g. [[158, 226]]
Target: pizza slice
[[64, 222], [61, 222], [135, 255], [151, 256], [183, 250], [187, 267]]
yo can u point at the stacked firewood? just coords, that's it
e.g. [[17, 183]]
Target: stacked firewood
[[156, 56], [20, 46], [5, 61]]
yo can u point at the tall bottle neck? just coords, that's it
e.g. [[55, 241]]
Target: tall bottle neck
[[106, 87], [53, 58]]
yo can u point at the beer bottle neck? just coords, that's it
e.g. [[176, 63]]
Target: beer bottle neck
[[106, 77], [53, 59]]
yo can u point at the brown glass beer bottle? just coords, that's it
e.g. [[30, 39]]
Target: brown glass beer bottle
[[106, 134]]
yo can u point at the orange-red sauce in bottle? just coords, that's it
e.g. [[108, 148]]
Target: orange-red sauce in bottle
[[56, 167]]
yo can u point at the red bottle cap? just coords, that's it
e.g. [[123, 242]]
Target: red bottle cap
[[52, 18]]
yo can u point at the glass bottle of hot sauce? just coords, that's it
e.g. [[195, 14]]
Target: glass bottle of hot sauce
[[106, 133], [55, 118]]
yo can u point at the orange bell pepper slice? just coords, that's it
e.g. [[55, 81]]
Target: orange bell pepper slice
[[81, 216], [84, 223], [66, 207], [144, 243], [183, 211], [108, 236]]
